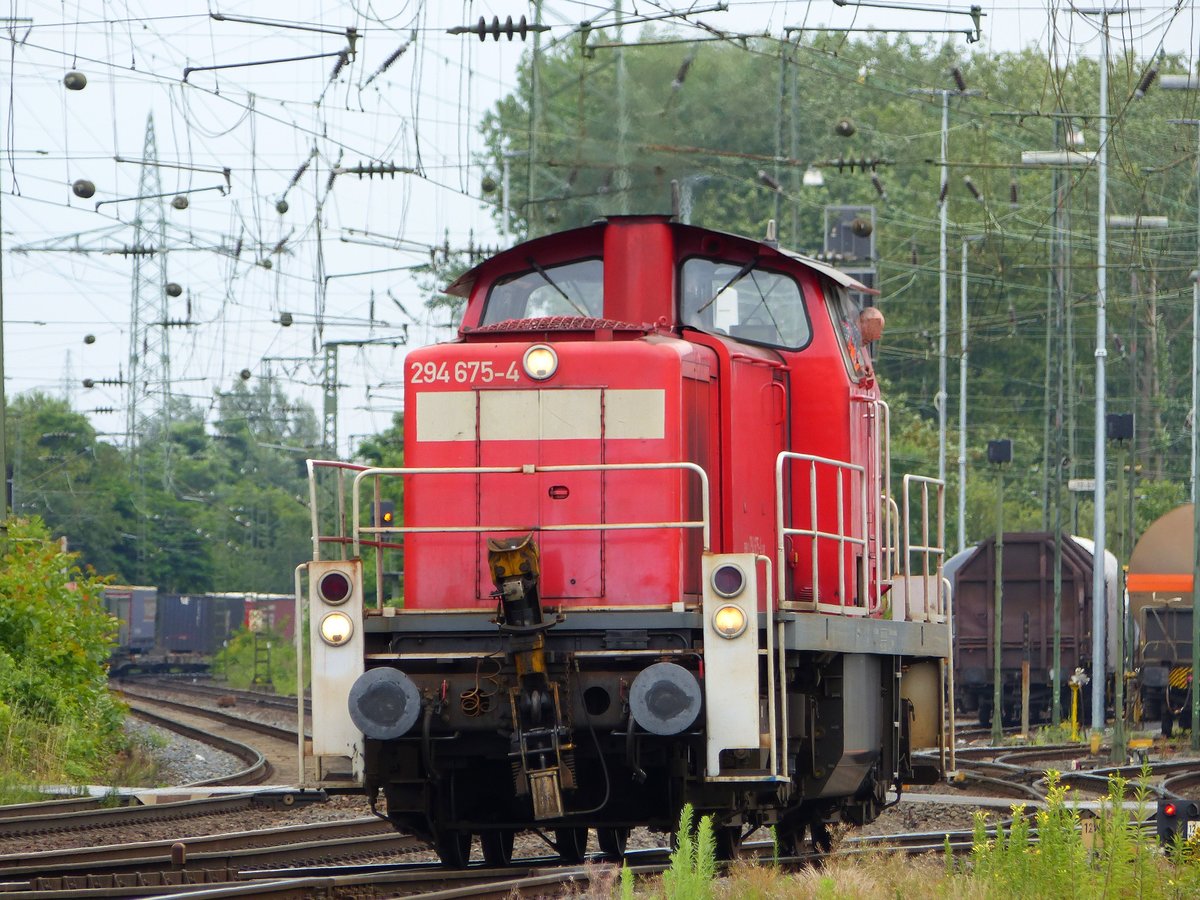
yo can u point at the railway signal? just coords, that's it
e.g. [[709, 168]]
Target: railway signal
[[1177, 819]]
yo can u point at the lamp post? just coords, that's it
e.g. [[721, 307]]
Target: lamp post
[[962, 398], [962, 406], [1098, 535], [1191, 83], [1169, 83], [1059, 159], [1119, 429], [943, 212], [1195, 508], [999, 454]]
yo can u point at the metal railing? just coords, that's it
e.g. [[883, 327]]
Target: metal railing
[[356, 534], [931, 556], [889, 513], [816, 535]]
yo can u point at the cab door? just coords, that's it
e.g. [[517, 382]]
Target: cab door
[[758, 416]]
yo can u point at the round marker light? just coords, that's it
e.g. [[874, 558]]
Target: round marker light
[[1168, 809], [728, 580], [334, 587], [540, 362], [729, 621], [336, 628]]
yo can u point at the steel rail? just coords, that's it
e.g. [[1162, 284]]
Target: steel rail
[[257, 768], [183, 859], [121, 816], [262, 837], [274, 731], [203, 689]]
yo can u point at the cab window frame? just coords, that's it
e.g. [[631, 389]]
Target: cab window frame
[[794, 278], [849, 338], [508, 278]]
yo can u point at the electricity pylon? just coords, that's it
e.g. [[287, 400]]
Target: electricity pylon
[[149, 383]]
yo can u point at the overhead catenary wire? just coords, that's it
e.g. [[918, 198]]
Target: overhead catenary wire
[[288, 113]]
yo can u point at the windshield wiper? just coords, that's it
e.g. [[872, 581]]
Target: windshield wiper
[[550, 281], [741, 273]]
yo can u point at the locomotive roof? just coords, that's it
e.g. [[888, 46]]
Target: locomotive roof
[[462, 286]]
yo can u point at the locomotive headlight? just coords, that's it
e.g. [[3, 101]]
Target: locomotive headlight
[[729, 621], [540, 362], [336, 628]]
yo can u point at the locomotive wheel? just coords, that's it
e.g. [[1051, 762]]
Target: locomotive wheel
[[822, 840], [985, 715], [497, 846], [454, 847], [571, 843], [612, 841], [729, 841], [789, 841]]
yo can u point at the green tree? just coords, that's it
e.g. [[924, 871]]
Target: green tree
[[735, 123], [76, 483], [56, 712]]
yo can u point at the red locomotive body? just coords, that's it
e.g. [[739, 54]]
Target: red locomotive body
[[650, 557]]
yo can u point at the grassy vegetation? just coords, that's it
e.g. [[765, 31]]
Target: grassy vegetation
[[137, 765], [693, 864], [58, 722], [1122, 861], [236, 663]]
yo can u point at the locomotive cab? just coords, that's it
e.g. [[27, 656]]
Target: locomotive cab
[[650, 557]]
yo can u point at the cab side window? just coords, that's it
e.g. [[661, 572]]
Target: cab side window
[[744, 302], [845, 313], [567, 289]]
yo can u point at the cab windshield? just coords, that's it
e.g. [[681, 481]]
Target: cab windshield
[[744, 302], [566, 289]]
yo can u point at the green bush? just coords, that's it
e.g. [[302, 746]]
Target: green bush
[[57, 718], [276, 665]]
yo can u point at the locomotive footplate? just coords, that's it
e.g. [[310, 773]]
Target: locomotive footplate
[[593, 715]]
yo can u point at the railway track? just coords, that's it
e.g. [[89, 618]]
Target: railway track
[[275, 744], [240, 697], [220, 872], [52, 821], [142, 701], [300, 861], [93, 814], [210, 858]]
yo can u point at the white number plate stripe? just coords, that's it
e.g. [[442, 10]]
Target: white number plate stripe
[[547, 415]]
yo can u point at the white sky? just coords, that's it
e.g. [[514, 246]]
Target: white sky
[[263, 122]]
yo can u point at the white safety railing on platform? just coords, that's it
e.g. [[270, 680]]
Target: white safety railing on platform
[[841, 534], [924, 553], [354, 535]]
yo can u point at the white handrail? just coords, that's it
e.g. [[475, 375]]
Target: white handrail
[[889, 527], [782, 531], [362, 473], [300, 625], [949, 693], [925, 549], [772, 733]]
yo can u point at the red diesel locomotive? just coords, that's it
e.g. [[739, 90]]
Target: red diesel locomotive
[[651, 556]]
